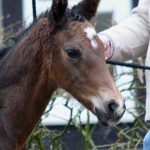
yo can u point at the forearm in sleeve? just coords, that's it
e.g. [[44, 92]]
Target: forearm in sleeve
[[130, 37]]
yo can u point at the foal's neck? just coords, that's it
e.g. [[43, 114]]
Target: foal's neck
[[31, 55], [25, 80]]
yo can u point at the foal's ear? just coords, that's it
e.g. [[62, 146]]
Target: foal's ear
[[87, 8], [58, 10]]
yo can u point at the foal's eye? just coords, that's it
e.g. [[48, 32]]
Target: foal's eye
[[73, 53]]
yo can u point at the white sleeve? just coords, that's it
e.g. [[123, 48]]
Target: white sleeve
[[131, 36]]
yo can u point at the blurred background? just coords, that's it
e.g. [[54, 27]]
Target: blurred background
[[66, 124]]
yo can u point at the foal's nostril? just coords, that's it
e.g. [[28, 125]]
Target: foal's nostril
[[112, 106]]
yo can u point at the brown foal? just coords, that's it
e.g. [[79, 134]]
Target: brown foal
[[60, 50]]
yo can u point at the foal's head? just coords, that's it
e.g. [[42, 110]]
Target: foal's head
[[78, 60]]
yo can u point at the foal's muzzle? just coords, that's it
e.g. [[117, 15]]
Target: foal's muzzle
[[113, 112]]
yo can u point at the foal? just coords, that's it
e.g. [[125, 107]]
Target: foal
[[61, 50]]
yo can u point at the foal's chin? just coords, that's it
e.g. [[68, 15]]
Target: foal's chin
[[107, 120]]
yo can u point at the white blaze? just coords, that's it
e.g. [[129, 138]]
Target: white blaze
[[91, 33]]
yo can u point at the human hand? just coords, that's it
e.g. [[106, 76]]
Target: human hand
[[108, 46]]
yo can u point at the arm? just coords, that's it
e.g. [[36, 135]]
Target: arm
[[130, 38]]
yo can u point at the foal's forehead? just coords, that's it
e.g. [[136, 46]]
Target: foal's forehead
[[90, 31], [91, 34], [87, 31]]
